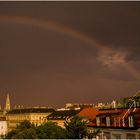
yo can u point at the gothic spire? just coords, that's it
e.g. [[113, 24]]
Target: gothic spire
[[7, 105]]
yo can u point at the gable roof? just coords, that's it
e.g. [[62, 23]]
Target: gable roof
[[114, 114]]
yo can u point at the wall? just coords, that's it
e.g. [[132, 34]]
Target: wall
[[3, 128]]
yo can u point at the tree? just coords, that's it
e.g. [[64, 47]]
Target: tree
[[51, 130], [25, 130], [25, 125], [10, 134], [76, 128], [26, 134]]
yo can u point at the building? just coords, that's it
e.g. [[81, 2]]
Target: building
[[117, 133], [76, 105], [119, 123], [3, 126], [36, 116], [60, 116]]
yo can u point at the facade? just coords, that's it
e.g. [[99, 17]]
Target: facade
[[118, 133], [36, 116], [3, 126], [60, 116], [76, 105]]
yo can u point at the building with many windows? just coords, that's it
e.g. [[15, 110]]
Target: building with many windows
[[36, 116], [60, 116], [122, 123]]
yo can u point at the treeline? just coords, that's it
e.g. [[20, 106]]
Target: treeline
[[74, 129]]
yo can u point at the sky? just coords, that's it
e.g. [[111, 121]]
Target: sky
[[52, 53]]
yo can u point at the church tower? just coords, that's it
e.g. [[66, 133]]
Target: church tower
[[7, 105]]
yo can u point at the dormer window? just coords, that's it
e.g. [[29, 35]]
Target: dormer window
[[107, 121], [131, 121], [98, 121]]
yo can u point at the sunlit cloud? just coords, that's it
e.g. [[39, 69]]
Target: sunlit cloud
[[111, 57], [115, 60]]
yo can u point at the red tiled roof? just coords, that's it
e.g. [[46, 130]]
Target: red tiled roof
[[89, 112], [109, 111], [126, 113], [117, 114], [93, 112], [137, 110]]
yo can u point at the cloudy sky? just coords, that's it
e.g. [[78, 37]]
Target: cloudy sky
[[52, 53]]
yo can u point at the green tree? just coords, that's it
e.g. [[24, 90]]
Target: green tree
[[25, 130], [76, 128], [51, 130], [29, 133], [25, 125], [10, 134]]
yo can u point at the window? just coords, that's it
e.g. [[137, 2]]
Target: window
[[130, 120], [107, 121], [103, 120], [37, 118], [98, 121], [33, 117]]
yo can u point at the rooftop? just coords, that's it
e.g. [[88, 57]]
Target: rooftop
[[62, 114], [89, 112], [30, 110], [116, 117]]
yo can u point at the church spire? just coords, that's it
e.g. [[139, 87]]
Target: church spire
[[7, 105]]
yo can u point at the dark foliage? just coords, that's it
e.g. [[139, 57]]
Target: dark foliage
[[25, 130], [76, 128], [51, 130]]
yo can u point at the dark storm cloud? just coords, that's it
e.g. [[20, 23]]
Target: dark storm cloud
[[54, 68]]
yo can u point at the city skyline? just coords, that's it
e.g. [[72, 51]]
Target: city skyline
[[53, 53]]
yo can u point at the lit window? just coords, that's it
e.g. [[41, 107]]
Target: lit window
[[108, 121], [130, 119], [98, 121]]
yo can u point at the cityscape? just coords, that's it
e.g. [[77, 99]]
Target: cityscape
[[69, 70], [115, 120]]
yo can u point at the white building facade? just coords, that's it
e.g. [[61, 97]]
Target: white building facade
[[3, 128]]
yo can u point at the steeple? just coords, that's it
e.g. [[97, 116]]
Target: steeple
[[7, 105]]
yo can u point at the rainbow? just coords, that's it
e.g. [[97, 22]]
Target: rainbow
[[47, 24], [50, 25]]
